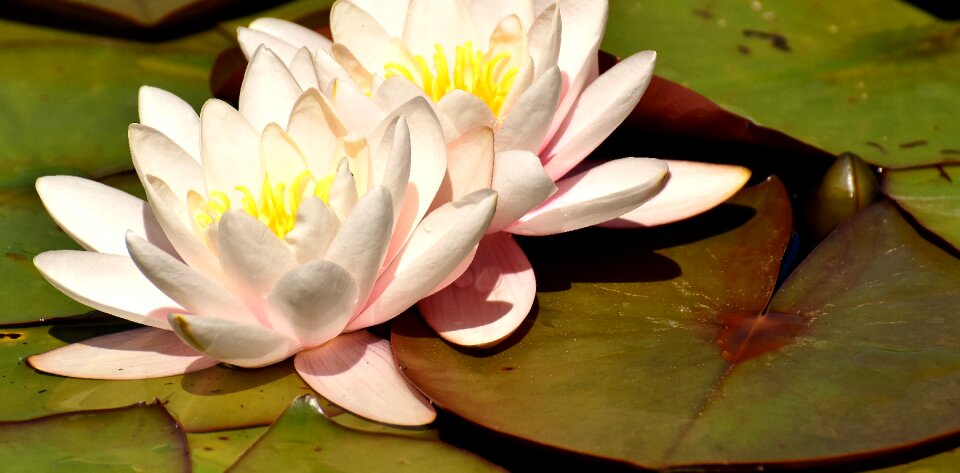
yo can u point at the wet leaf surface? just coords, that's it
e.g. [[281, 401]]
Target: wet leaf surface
[[875, 79], [129, 439], [665, 360], [303, 439], [931, 195], [214, 452]]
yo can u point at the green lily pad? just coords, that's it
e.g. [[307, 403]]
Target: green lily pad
[[931, 196], [214, 452], [130, 439], [303, 439], [878, 79], [216, 398], [68, 98], [666, 360]]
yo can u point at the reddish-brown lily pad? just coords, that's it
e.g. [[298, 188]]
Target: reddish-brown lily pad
[[657, 347]]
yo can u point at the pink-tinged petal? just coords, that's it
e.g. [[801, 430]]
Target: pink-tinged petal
[[488, 13], [692, 188], [390, 15], [359, 32], [582, 26], [444, 22], [594, 196], [489, 301], [520, 180], [170, 115], [268, 91], [396, 91], [526, 125], [192, 290], [156, 154], [599, 110], [357, 371], [253, 259], [391, 163], [280, 156], [357, 111], [108, 283], [316, 127], [292, 33], [443, 239], [134, 354], [462, 111], [543, 39], [455, 274], [313, 302], [251, 39], [360, 75], [520, 85], [361, 244], [240, 344], [343, 191], [173, 216], [315, 229], [75, 204], [303, 69], [469, 165], [231, 148]]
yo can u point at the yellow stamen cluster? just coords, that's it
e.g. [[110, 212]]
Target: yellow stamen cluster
[[490, 79], [276, 208]]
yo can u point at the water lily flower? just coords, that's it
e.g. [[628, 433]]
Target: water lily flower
[[269, 232], [516, 85]]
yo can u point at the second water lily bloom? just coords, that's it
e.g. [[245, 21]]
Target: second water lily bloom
[[271, 231], [516, 85]]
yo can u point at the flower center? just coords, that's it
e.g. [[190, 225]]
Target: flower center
[[276, 208], [489, 78]]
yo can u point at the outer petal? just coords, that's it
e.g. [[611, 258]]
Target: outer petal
[[231, 148], [543, 39], [108, 283], [313, 302], [444, 22], [251, 39], [252, 257], [173, 216], [189, 288], [292, 33], [522, 184], [361, 244], [156, 154], [526, 126], [76, 203], [268, 91], [595, 196], [391, 15], [391, 163], [582, 25], [244, 345], [598, 111], [489, 301], [442, 240], [357, 371], [171, 116], [134, 354], [304, 70], [693, 188], [469, 165], [356, 29]]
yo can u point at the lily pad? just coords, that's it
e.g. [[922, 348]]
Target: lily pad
[[136, 438], [216, 398], [931, 196], [674, 357], [214, 452], [878, 79], [303, 439]]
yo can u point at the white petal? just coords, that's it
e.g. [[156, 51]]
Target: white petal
[[520, 85], [280, 156], [134, 354], [251, 39], [595, 196], [304, 70], [582, 26], [358, 111], [244, 345], [97, 216], [544, 39], [396, 91], [361, 244], [391, 163], [462, 112], [488, 13], [292, 33], [190, 289], [357, 371], [444, 22], [329, 70], [156, 154], [525, 127], [442, 240], [343, 192], [170, 115], [316, 127], [693, 188], [314, 231], [361, 77], [268, 91], [598, 111], [469, 165], [231, 148], [359, 32], [313, 302], [520, 180], [252, 257], [108, 283], [173, 216], [391, 15]]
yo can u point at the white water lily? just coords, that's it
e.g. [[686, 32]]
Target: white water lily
[[268, 231], [516, 85]]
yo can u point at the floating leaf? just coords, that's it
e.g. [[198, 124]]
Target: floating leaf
[[214, 452], [649, 346], [931, 196], [136, 438], [216, 398], [878, 79], [304, 440]]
